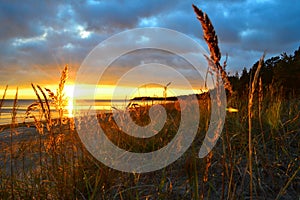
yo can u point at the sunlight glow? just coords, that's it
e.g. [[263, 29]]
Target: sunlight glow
[[69, 90], [232, 110], [86, 91]]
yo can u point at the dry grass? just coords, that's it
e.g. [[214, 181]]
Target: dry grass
[[70, 172], [1, 102], [3, 97], [250, 114], [211, 39]]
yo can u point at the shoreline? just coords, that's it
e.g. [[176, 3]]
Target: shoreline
[[23, 124]]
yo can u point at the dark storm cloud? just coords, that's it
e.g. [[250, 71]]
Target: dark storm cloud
[[272, 26], [111, 16], [26, 18], [45, 33]]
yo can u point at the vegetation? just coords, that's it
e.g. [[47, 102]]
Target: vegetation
[[256, 157], [279, 72]]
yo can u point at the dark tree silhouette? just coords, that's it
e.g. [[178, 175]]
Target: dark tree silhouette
[[280, 71]]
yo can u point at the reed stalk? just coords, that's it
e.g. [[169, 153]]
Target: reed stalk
[[211, 39], [3, 97], [260, 101], [250, 114], [47, 113], [13, 131], [289, 181]]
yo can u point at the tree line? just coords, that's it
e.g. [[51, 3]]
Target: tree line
[[279, 72]]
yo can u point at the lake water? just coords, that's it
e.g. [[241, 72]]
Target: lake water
[[84, 106]]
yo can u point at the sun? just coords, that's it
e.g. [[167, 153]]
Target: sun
[[69, 90]]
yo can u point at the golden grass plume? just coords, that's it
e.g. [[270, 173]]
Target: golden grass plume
[[211, 40]]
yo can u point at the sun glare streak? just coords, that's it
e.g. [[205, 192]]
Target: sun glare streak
[[69, 90]]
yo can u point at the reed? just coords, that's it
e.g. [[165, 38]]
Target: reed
[[3, 97], [13, 132], [1, 102], [250, 114], [59, 100], [211, 40]]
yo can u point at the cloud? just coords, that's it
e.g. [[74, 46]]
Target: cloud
[[44, 34], [111, 16], [26, 19]]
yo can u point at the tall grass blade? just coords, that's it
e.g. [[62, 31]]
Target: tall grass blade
[[48, 110], [250, 114], [39, 98], [13, 131], [3, 97], [211, 40]]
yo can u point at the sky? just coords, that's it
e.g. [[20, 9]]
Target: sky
[[37, 38]]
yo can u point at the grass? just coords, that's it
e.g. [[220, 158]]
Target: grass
[[250, 113], [68, 171], [256, 157]]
